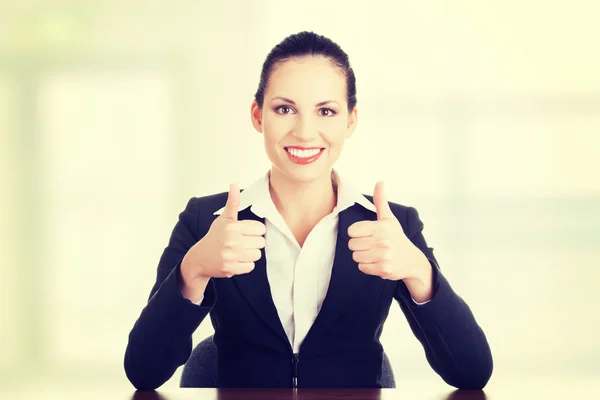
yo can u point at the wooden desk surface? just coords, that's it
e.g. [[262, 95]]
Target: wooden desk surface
[[515, 388], [547, 389], [302, 394]]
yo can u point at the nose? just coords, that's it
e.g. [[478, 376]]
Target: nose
[[305, 130]]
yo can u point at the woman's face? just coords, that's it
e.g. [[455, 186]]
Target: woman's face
[[304, 118]]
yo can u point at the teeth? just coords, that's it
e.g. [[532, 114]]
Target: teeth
[[303, 153]]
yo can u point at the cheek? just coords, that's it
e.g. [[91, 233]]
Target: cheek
[[274, 129], [334, 130]]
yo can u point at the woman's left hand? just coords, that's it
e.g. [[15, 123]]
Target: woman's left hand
[[382, 249]]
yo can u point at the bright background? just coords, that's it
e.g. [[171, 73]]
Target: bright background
[[484, 115]]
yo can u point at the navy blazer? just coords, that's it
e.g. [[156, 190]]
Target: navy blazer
[[342, 347]]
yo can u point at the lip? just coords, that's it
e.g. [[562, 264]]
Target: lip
[[303, 148], [304, 161]]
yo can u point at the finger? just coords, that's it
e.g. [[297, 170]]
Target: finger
[[248, 255], [362, 229], [248, 227], [233, 203], [381, 204], [361, 243], [368, 268], [232, 268], [377, 269], [364, 256], [243, 268], [252, 242]]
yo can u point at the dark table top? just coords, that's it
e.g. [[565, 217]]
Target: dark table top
[[515, 388], [546, 388], [302, 394]]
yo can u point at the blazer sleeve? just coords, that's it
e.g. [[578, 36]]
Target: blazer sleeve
[[455, 346], [161, 338]]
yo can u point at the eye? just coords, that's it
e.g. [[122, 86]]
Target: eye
[[326, 112], [284, 110]]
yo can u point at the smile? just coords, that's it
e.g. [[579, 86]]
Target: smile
[[302, 155]]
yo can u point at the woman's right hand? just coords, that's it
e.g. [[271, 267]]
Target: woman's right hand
[[229, 248]]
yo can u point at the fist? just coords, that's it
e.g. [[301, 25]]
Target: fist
[[229, 248], [381, 248]]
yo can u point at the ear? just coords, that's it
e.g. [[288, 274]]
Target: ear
[[352, 121], [256, 116]]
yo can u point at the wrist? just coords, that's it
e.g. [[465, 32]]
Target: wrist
[[192, 288], [190, 271], [420, 283]]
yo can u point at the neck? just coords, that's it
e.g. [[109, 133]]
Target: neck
[[296, 200]]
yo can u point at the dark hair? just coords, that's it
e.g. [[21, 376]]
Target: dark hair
[[307, 44]]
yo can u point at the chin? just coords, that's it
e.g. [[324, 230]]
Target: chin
[[305, 173]]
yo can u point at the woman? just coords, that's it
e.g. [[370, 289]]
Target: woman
[[299, 270]]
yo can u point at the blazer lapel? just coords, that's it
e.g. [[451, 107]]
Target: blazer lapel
[[255, 287], [346, 279]]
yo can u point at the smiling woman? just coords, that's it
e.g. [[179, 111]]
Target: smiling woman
[[305, 106], [298, 272]]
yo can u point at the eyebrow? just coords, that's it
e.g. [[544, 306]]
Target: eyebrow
[[294, 103]]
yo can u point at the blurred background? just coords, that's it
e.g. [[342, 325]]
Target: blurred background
[[483, 115]]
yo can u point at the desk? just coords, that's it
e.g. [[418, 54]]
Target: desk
[[546, 388], [514, 388], [304, 394]]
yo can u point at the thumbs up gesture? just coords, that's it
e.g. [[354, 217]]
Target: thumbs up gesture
[[229, 248], [382, 249]]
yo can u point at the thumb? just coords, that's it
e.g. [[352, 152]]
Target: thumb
[[381, 204], [233, 203]]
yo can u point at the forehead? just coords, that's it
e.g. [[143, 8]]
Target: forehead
[[308, 79]]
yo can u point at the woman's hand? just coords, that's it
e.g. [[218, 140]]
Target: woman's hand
[[382, 249], [229, 248]]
